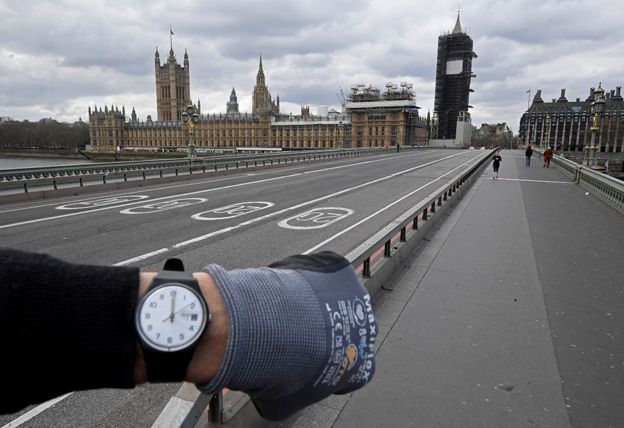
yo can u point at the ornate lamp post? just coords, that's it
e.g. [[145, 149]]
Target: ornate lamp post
[[190, 119], [597, 109], [546, 138], [340, 135]]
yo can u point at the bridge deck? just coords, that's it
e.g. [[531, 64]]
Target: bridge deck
[[512, 315]]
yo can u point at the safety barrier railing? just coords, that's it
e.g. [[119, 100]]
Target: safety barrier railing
[[608, 189], [376, 260], [27, 179]]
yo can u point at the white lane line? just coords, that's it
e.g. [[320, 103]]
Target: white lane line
[[34, 412], [303, 204], [231, 186], [528, 180], [195, 183], [141, 257], [264, 217], [379, 211]]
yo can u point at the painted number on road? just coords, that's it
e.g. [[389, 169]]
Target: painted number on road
[[103, 202], [316, 218], [234, 210], [163, 206]]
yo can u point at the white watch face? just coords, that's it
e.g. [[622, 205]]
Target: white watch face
[[171, 317]]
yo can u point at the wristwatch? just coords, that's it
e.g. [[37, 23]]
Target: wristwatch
[[170, 319]]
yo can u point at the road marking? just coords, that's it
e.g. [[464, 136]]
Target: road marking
[[101, 202], [213, 180], [365, 219], [294, 207], [316, 218], [303, 204], [163, 206], [34, 412], [231, 186], [532, 181], [142, 257], [234, 210]]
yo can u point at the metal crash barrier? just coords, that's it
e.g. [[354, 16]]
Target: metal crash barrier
[[608, 189], [25, 180], [52, 178], [377, 260]]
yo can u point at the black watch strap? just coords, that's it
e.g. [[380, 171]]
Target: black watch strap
[[166, 366]]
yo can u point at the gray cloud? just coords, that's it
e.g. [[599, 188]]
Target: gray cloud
[[57, 58]]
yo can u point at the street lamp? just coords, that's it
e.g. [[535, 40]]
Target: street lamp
[[547, 136], [597, 108], [190, 119]]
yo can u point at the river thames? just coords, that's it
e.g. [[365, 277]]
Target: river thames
[[14, 163]]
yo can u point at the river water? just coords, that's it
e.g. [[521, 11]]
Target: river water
[[14, 163]]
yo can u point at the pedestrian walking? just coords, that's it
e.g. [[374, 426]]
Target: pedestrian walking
[[548, 154], [495, 165], [527, 154]]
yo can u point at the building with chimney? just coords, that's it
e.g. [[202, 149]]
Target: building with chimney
[[566, 124]]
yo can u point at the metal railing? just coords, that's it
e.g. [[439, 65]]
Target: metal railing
[[608, 189], [78, 175], [377, 260]]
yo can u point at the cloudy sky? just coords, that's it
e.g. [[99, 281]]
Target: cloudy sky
[[59, 57]]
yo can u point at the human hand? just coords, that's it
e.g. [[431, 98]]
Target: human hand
[[299, 331]]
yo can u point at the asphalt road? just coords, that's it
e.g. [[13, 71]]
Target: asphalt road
[[238, 220]]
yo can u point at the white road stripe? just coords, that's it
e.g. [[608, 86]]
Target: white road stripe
[[193, 183], [294, 207], [141, 257], [34, 412], [365, 219], [531, 181], [303, 204], [231, 186]]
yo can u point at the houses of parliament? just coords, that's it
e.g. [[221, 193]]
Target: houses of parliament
[[370, 118]]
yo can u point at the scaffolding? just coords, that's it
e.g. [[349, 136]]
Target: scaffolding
[[453, 76]]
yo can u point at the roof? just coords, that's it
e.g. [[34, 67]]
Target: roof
[[382, 104]]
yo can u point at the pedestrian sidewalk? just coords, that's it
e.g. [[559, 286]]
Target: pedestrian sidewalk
[[511, 316]]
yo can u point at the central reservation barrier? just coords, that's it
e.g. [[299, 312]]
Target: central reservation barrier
[[27, 180]]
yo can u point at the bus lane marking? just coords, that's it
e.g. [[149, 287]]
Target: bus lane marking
[[266, 180], [102, 202], [163, 206], [379, 211], [231, 211], [316, 218]]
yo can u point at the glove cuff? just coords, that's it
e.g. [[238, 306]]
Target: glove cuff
[[276, 330]]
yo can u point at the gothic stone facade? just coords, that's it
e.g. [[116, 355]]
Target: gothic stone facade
[[566, 125], [264, 127]]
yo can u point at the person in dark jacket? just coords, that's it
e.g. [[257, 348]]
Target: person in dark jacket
[[497, 159], [527, 154]]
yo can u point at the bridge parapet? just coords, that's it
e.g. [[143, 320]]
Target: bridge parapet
[[608, 189]]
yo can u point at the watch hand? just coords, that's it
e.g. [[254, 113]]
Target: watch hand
[[172, 308], [182, 308]]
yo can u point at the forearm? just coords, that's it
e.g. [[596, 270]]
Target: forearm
[[64, 326]]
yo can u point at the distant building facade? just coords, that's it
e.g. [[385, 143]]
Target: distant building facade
[[492, 135], [385, 119], [565, 125], [390, 119], [453, 76]]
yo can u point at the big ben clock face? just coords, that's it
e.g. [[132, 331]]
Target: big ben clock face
[[171, 317]]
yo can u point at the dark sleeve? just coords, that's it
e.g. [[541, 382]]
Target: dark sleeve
[[63, 327]]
